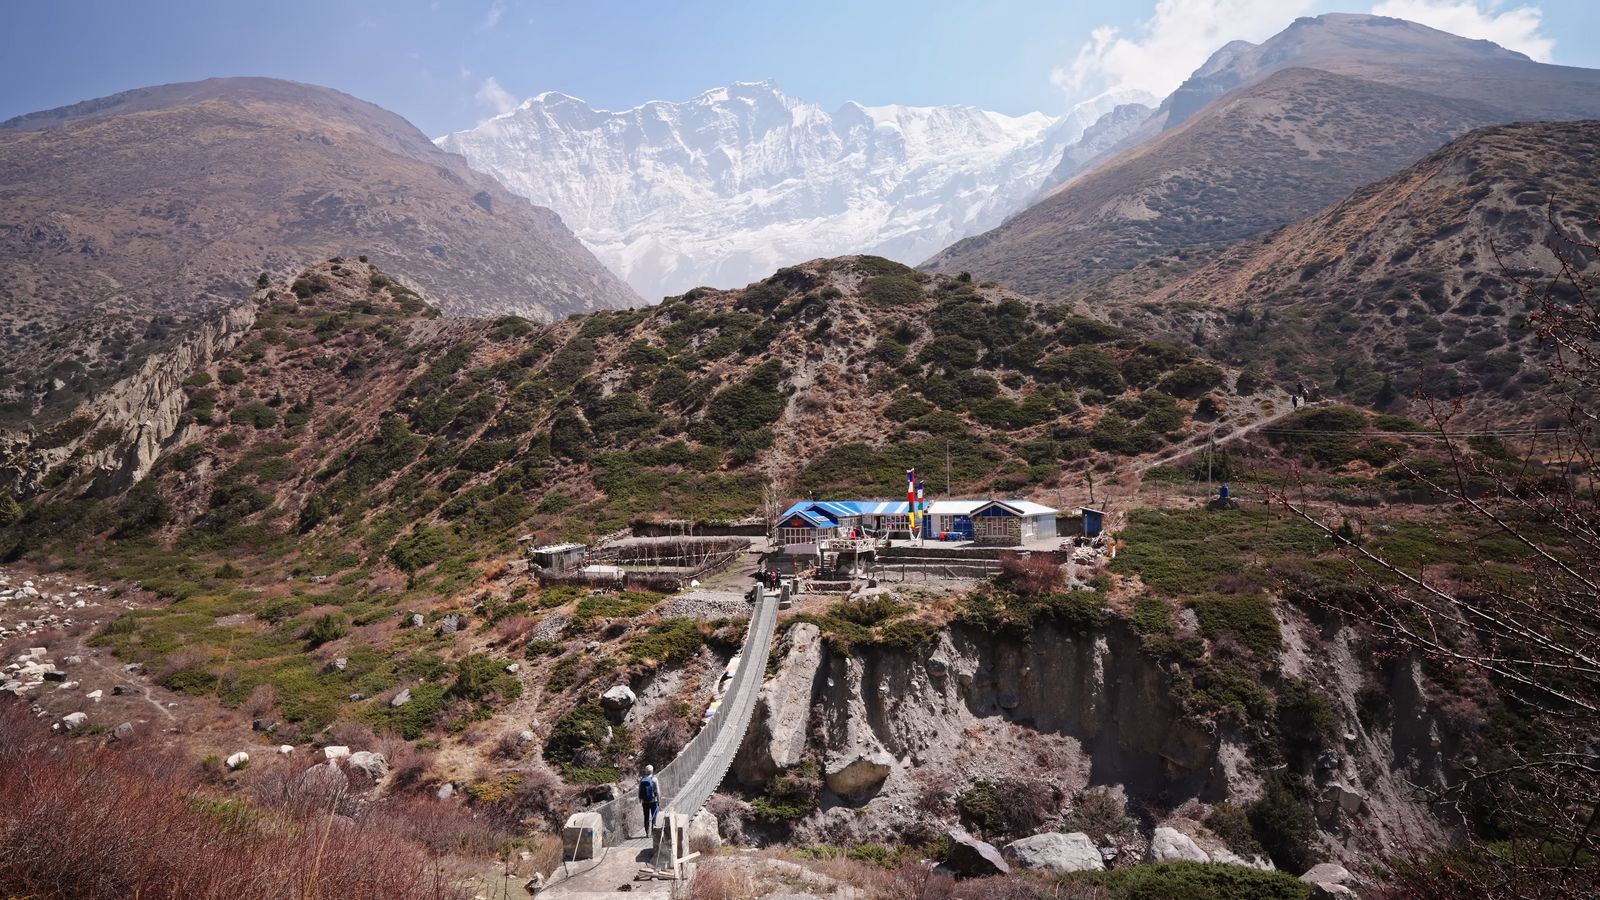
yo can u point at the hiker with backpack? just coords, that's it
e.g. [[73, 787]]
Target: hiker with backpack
[[649, 797]]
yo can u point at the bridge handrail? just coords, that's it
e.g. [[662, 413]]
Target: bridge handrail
[[683, 784]]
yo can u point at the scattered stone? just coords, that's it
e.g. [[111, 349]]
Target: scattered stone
[[416, 620], [1327, 873], [971, 857], [67, 685], [357, 696], [71, 721], [591, 647], [118, 690], [525, 736], [1054, 852], [618, 700], [238, 760], [401, 699], [452, 623], [514, 668], [334, 752], [1172, 845], [703, 827], [285, 749], [134, 668], [1331, 891], [265, 726], [122, 732], [375, 765], [74, 660], [1338, 798], [51, 674], [854, 776], [535, 884], [340, 664], [446, 791], [95, 695]]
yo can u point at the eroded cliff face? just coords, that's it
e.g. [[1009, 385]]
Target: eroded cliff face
[[891, 726], [120, 433]]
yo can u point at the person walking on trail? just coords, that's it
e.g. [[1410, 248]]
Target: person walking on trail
[[649, 797]]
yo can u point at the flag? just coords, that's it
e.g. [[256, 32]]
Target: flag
[[911, 497], [922, 505]]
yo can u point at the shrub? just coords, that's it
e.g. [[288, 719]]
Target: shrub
[[1100, 813], [1232, 824], [1194, 881], [307, 285], [254, 413], [1092, 367], [1192, 380], [1283, 823], [791, 794], [323, 629], [891, 291]]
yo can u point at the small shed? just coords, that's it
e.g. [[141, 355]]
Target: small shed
[[1009, 523], [1094, 521], [558, 557]]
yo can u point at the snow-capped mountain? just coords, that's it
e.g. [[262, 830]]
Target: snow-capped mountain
[[722, 189]]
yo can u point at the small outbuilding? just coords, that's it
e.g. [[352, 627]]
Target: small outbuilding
[[558, 557], [1010, 523], [1094, 521]]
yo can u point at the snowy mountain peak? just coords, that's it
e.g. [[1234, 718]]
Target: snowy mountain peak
[[735, 182]]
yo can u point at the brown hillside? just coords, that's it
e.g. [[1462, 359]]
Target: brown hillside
[[170, 200], [1261, 136], [1412, 277]]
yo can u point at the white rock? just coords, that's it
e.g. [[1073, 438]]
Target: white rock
[[375, 765], [67, 686], [238, 760], [335, 751], [285, 749], [1172, 845], [95, 695], [1054, 852], [446, 791], [71, 721], [402, 698]]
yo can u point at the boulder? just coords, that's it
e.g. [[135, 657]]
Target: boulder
[[703, 830], [446, 791], [335, 752], [619, 699], [1331, 891], [375, 765], [452, 623], [776, 738], [1327, 873], [401, 699], [238, 760], [265, 726], [1054, 852], [857, 775], [285, 749], [118, 690], [122, 732], [95, 695], [71, 721], [340, 664], [583, 837], [1224, 855], [326, 779], [416, 620], [1172, 845], [971, 857], [1338, 798]]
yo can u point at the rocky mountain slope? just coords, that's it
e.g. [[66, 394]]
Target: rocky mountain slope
[[1262, 136], [1412, 282], [724, 188], [169, 200]]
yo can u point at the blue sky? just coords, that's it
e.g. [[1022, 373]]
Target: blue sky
[[446, 65]]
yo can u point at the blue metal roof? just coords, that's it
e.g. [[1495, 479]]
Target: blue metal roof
[[839, 509], [812, 518]]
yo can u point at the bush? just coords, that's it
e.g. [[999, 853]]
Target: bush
[[1232, 824], [1194, 881], [1284, 825], [1098, 812], [323, 629]]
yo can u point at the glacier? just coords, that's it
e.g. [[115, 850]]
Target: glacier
[[722, 189]]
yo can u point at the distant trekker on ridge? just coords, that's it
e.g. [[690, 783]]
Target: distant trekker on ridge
[[649, 797]]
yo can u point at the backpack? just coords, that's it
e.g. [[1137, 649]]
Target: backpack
[[647, 790]]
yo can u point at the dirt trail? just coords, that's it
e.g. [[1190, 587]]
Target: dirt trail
[[1281, 402]]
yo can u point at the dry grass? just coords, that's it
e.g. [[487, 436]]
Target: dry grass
[[81, 821]]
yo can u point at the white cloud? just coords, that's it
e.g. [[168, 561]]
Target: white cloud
[[492, 17], [1516, 28], [497, 98], [1166, 48]]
